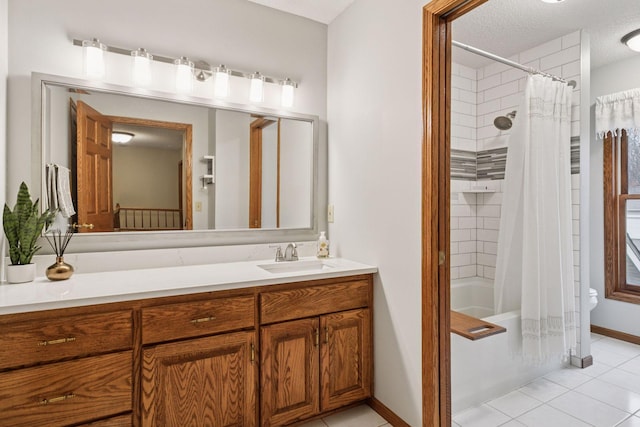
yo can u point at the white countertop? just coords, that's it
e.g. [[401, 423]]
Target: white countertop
[[115, 286]]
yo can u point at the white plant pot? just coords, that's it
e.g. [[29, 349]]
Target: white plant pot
[[21, 273]]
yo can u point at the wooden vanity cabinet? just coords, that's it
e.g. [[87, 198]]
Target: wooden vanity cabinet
[[207, 381], [320, 362]]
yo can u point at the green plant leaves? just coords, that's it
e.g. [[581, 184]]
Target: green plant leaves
[[23, 226]]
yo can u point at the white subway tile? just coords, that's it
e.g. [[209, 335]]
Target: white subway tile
[[511, 102], [467, 271], [576, 273], [467, 222], [575, 227], [492, 198], [571, 39], [460, 260], [467, 72], [480, 222], [463, 107], [491, 223], [511, 74], [571, 69], [488, 107], [463, 120], [539, 51], [479, 74], [489, 82], [480, 246], [479, 97], [494, 68], [576, 258], [460, 82], [454, 248], [455, 94], [463, 144], [455, 69], [489, 273], [474, 258], [492, 211], [491, 248], [461, 132], [467, 247], [454, 222], [460, 235], [459, 185], [576, 241], [455, 273], [565, 56], [474, 85], [501, 91], [460, 210], [575, 195], [487, 132], [488, 235], [575, 128], [473, 234], [492, 143], [470, 198], [487, 260], [467, 96], [575, 181], [575, 211]]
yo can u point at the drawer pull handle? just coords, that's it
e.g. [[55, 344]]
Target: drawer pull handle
[[58, 341], [326, 335], [253, 353], [317, 337], [203, 319], [57, 399]]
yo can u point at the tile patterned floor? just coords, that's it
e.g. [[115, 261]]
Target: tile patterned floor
[[606, 394], [360, 416]]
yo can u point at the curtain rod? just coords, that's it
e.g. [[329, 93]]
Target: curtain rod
[[510, 63]]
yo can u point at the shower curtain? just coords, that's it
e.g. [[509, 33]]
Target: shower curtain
[[534, 269]]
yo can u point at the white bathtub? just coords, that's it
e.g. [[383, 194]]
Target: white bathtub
[[485, 369]]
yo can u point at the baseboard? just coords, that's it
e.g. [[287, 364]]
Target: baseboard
[[622, 336], [386, 413]]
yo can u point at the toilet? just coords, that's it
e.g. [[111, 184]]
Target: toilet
[[593, 298]]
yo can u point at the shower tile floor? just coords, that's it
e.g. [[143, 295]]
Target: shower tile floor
[[605, 394]]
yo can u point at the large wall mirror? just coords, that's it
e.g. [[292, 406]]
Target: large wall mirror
[[189, 171]]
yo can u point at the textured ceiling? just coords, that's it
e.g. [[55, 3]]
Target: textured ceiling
[[506, 27]]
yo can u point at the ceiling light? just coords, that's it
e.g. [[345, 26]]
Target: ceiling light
[[288, 89], [256, 91], [632, 40], [553, 1], [94, 58], [221, 81], [141, 71], [121, 137], [184, 75]]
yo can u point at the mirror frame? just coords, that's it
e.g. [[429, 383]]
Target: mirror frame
[[108, 241]]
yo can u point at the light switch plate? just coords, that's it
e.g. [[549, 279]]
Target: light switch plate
[[330, 213]]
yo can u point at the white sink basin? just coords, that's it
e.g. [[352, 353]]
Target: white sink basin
[[317, 265]]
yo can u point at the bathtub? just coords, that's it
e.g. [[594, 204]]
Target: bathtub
[[485, 369]]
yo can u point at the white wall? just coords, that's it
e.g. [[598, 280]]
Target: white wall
[[240, 34], [4, 71], [616, 315], [375, 132]]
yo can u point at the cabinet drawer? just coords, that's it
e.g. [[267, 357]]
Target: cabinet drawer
[[122, 421], [192, 319], [310, 301], [67, 393], [35, 341]]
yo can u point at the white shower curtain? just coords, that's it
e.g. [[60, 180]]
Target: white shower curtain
[[534, 269]]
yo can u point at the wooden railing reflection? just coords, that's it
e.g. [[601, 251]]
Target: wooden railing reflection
[[146, 219]]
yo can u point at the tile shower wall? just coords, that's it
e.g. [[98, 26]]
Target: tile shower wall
[[479, 152]]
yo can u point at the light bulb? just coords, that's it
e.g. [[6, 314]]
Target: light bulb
[[256, 91], [141, 70], [288, 90], [94, 58], [184, 75], [221, 81]]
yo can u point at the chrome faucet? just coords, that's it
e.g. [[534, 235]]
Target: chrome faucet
[[291, 252]]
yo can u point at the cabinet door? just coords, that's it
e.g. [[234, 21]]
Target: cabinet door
[[345, 358], [290, 378], [201, 382]]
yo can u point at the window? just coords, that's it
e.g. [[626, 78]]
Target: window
[[622, 216]]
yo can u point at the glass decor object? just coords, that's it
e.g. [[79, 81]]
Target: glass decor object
[[221, 81], [141, 67], [184, 75], [288, 90], [94, 66], [256, 90]]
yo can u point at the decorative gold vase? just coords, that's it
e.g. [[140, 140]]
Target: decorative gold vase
[[60, 270]]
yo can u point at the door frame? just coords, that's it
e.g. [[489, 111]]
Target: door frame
[[436, 149], [187, 162]]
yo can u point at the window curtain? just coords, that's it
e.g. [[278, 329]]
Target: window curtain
[[618, 111], [534, 268]]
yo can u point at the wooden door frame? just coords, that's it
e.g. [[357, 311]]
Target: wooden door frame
[[187, 157], [436, 99], [255, 171]]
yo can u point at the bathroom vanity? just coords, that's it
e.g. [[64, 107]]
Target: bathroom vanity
[[210, 345]]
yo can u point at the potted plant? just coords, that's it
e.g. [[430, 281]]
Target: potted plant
[[23, 226]]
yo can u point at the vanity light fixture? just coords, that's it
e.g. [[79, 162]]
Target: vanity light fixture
[[632, 40], [94, 58], [121, 137], [288, 89], [141, 70], [184, 74], [221, 81], [186, 71], [256, 90]]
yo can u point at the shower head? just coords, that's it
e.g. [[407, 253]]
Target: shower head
[[504, 122]]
